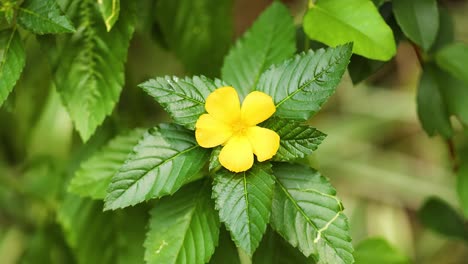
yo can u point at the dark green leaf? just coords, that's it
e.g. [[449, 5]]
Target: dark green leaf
[[95, 174], [89, 72], [432, 110], [377, 250], [437, 215], [12, 61], [183, 228], [360, 68], [199, 32], [336, 22], [244, 202], [462, 187], [307, 213], [43, 17], [419, 20], [453, 58], [301, 85], [269, 41], [226, 252], [166, 158], [110, 10], [183, 99], [297, 140], [445, 34]]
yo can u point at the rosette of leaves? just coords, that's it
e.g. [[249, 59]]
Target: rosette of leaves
[[195, 194]]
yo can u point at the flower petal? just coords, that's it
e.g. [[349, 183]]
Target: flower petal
[[265, 142], [223, 104], [210, 132], [237, 155], [257, 107]]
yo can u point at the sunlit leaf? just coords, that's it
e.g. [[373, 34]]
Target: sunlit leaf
[[44, 17], [378, 250], [12, 61], [110, 10]]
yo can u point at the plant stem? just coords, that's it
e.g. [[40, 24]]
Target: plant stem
[[243, 257]]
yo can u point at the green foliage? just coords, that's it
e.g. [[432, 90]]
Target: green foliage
[[291, 82], [378, 250], [95, 174], [462, 188], [12, 61], [197, 30], [43, 17], [226, 252], [336, 22], [110, 10], [452, 59], [183, 228], [269, 41], [296, 140], [307, 214], [419, 20], [244, 202], [166, 158]]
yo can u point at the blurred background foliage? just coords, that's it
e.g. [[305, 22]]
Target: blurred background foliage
[[385, 168]]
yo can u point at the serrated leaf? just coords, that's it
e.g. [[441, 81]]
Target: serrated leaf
[[419, 20], [95, 174], [336, 22], [110, 10], [199, 32], [12, 61], [270, 40], [244, 202], [183, 228], [226, 251], [89, 65], [301, 85], [183, 99], [297, 140], [307, 213], [453, 58], [43, 17], [378, 250], [166, 158], [432, 109]]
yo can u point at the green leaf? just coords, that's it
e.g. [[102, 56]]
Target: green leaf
[[437, 215], [183, 228], [462, 187], [89, 70], [432, 110], [226, 252], [166, 158], [43, 17], [336, 22], [419, 20], [446, 34], [110, 10], [297, 140], [301, 85], [95, 174], [360, 68], [309, 216], [244, 202], [269, 41], [12, 61], [274, 250], [183, 99], [453, 58], [378, 250], [199, 32]]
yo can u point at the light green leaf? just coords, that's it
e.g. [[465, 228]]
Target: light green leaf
[[199, 32], [378, 250], [462, 187], [453, 58], [301, 85], [95, 174], [269, 41], [183, 228], [418, 19], [297, 140], [12, 61], [166, 158], [432, 109], [89, 72], [336, 22], [244, 202], [110, 10], [43, 17], [183, 99], [307, 213]]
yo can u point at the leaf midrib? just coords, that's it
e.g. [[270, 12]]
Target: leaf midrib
[[41, 17], [184, 96], [6, 51]]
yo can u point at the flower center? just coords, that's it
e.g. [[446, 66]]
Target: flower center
[[239, 127]]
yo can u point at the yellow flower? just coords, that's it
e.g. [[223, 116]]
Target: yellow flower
[[234, 127]]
